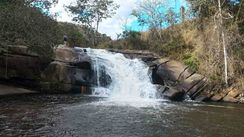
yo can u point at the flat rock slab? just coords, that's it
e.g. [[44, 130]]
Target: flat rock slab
[[10, 90]]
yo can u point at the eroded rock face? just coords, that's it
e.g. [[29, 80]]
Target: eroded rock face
[[70, 71], [174, 94], [180, 78], [169, 93], [232, 94], [174, 74], [19, 63]]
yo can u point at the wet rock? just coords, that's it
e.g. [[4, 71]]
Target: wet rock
[[160, 90], [230, 99], [203, 97], [241, 100], [57, 88], [105, 80], [194, 85], [175, 74], [70, 72], [174, 94], [216, 98], [60, 72]]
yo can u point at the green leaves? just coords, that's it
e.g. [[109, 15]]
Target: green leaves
[[22, 24], [92, 12]]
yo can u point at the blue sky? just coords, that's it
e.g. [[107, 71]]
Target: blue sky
[[115, 25], [175, 5]]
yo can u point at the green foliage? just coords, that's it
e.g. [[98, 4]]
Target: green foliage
[[22, 24], [91, 12], [191, 61], [134, 41], [75, 33], [78, 36]]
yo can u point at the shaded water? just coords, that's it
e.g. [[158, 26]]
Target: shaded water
[[75, 115]]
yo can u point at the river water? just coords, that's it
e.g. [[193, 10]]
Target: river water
[[84, 116]]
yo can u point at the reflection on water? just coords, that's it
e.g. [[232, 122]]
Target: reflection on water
[[75, 115]]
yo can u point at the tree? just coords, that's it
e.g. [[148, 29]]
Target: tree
[[223, 42], [91, 12], [22, 23], [171, 17], [226, 15], [154, 15], [150, 13]]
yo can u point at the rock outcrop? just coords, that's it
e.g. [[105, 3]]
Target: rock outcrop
[[184, 82], [21, 65], [180, 78], [232, 94], [70, 70]]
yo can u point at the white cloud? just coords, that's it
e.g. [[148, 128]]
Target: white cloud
[[115, 24], [111, 26]]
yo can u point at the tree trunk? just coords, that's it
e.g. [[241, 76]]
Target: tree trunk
[[223, 42]]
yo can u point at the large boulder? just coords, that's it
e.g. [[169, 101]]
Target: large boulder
[[60, 72], [66, 55], [172, 71], [70, 71], [160, 90], [194, 85], [20, 63], [177, 75], [169, 93], [230, 99], [174, 94]]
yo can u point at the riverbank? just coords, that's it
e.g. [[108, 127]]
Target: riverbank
[[14, 90]]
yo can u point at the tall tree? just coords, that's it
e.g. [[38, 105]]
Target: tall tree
[[91, 12], [223, 42], [150, 13]]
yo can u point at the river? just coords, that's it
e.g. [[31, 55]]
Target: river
[[84, 116]]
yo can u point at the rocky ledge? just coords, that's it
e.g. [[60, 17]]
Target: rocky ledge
[[70, 71]]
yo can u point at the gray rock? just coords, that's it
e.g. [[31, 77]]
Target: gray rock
[[174, 94]]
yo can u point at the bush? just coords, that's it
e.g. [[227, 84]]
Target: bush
[[191, 61], [22, 24]]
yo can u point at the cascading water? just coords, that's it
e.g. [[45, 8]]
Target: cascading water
[[129, 78]]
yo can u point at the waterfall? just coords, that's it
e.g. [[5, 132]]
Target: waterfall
[[129, 77]]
